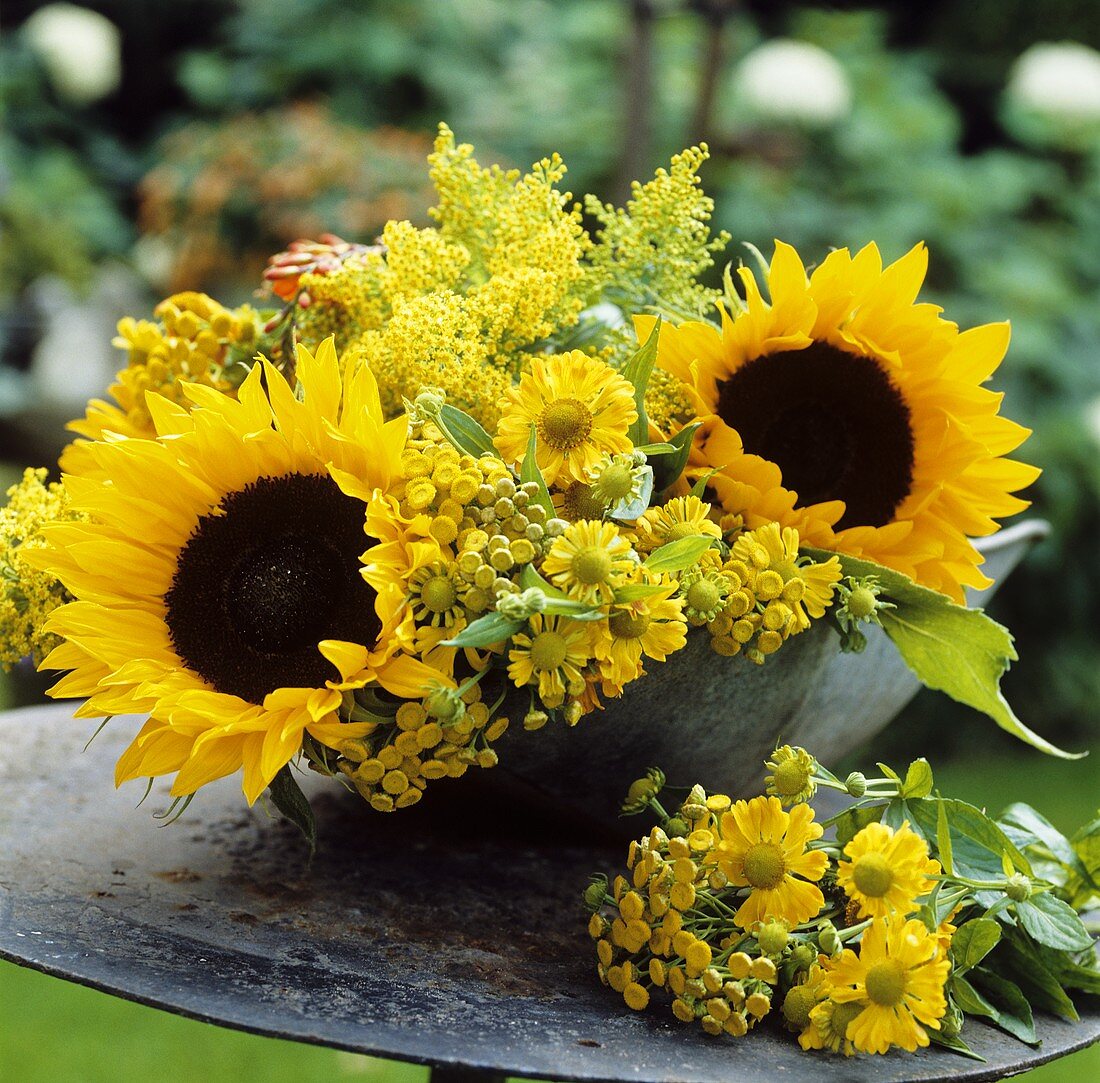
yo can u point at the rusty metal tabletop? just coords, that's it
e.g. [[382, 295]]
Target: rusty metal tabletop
[[450, 934]]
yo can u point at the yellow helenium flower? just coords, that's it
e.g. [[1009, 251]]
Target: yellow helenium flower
[[829, 1027], [897, 978], [780, 546], [652, 627], [851, 412], [218, 581], [589, 560], [763, 848], [886, 870], [792, 775], [680, 517], [581, 409], [551, 654]]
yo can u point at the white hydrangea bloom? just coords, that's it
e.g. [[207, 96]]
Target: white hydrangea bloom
[[1057, 79], [80, 49], [793, 80]]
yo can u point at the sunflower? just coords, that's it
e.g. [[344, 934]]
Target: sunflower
[[846, 409], [581, 409], [886, 870], [763, 848], [551, 654], [589, 560], [651, 627], [897, 979], [217, 583]]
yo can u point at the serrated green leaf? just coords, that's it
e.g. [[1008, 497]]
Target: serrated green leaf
[[977, 843], [638, 371], [1013, 1010], [486, 631], [676, 555], [287, 797], [949, 647], [852, 821], [918, 779], [668, 468], [1053, 922], [529, 471], [466, 432], [973, 941]]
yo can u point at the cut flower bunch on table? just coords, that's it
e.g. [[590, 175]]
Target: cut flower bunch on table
[[492, 472], [917, 911]]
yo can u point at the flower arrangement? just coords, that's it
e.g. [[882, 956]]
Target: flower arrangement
[[920, 910], [439, 483]]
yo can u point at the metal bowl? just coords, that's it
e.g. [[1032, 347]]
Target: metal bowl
[[714, 720]]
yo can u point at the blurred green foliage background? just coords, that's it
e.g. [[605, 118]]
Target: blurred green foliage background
[[944, 122]]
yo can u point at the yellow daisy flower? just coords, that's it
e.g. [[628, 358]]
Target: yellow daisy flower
[[846, 409], [551, 654], [217, 580], [763, 848], [897, 978], [887, 870], [581, 409], [652, 627], [792, 775], [801, 999], [680, 517], [829, 1027], [589, 560], [779, 545]]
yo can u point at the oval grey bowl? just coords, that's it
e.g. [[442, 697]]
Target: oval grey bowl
[[713, 720]]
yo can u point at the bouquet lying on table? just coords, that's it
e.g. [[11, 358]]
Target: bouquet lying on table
[[920, 910], [492, 471]]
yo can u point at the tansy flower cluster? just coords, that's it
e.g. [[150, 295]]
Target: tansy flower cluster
[[861, 943]]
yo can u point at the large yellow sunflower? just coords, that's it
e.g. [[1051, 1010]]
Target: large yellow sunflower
[[846, 409], [581, 410], [217, 582]]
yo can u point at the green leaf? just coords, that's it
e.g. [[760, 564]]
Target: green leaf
[[943, 840], [568, 607], [1075, 976], [973, 941], [1020, 959], [287, 797], [1013, 1010], [486, 631], [969, 999], [667, 468], [530, 578], [852, 821], [1022, 821], [638, 371], [977, 843], [466, 432], [700, 486], [529, 471], [918, 779], [632, 592], [653, 450], [1053, 922], [676, 555], [956, 1045], [951, 648], [890, 773]]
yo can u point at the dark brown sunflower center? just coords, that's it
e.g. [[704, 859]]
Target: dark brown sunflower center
[[259, 585], [832, 421]]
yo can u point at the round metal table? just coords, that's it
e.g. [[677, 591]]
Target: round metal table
[[450, 934]]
